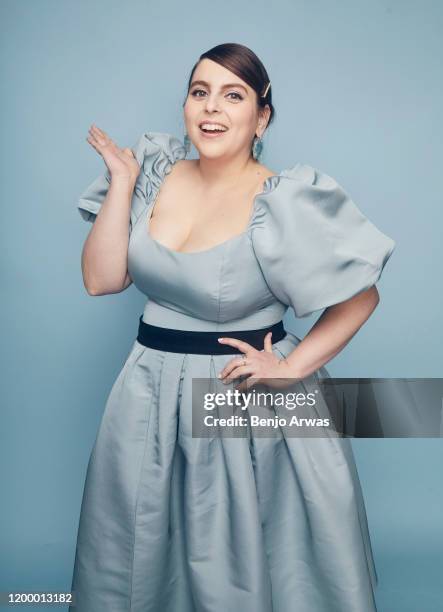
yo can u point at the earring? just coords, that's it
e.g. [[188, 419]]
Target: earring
[[257, 147], [187, 143]]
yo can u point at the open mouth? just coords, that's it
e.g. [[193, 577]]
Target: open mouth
[[212, 129]]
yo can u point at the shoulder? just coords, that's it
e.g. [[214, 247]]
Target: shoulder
[[301, 185], [305, 173], [314, 245], [304, 199], [157, 153], [152, 146]]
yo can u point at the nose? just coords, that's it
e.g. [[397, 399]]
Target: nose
[[212, 103]]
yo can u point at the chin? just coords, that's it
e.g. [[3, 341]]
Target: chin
[[211, 149], [211, 154]]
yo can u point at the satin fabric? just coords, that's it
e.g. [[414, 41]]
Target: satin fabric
[[172, 523]]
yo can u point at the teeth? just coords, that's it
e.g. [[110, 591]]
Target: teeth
[[213, 127]]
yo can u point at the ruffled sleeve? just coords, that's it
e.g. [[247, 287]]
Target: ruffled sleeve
[[313, 244], [156, 152]]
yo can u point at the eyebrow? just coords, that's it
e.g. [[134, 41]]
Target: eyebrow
[[224, 86]]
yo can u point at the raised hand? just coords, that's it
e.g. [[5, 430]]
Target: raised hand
[[120, 162]]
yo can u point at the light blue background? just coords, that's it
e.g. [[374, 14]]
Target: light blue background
[[358, 92]]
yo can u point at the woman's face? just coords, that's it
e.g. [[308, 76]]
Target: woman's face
[[218, 96]]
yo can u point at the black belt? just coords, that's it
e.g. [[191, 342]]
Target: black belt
[[204, 342]]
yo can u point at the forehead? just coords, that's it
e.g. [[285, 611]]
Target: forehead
[[216, 75]]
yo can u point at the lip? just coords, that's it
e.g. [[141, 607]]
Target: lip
[[212, 123], [212, 134]]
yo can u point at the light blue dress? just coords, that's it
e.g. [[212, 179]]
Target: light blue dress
[[172, 523]]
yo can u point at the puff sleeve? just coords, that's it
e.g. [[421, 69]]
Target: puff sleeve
[[314, 246], [156, 152]]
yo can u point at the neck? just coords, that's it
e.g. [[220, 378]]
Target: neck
[[221, 174]]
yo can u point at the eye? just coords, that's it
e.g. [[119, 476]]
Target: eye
[[196, 94], [196, 91]]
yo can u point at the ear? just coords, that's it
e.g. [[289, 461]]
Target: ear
[[263, 118]]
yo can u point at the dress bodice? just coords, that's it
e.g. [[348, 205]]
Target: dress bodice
[[307, 245]]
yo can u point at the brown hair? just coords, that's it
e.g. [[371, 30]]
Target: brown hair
[[245, 64]]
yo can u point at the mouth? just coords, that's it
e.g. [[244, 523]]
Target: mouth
[[212, 129]]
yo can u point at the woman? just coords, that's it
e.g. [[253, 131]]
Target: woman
[[222, 245]]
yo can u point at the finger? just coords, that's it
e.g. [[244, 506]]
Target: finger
[[244, 347], [128, 152], [97, 138], [268, 342], [231, 365], [95, 132], [98, 130], [107, 145], [92, 134], [101, 137], [100, 148], [237, 372], [93, 143], [105, 150]]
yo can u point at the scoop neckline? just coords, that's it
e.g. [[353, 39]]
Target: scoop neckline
[[268, 187]]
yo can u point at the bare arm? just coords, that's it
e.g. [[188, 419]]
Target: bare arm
[[330, 334], [104, 258]]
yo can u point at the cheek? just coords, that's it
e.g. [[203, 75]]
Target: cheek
[[186, 113], [189, 111], [242, 119]]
